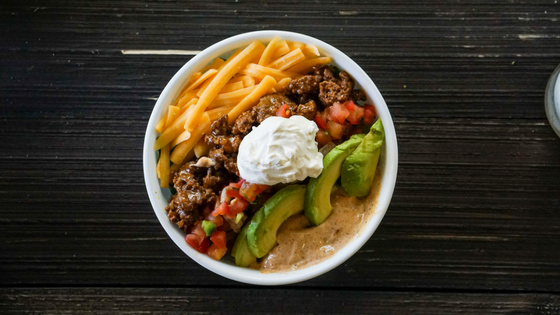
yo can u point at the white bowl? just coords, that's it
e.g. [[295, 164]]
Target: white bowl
[[226, 267]]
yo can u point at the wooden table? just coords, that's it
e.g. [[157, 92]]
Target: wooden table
[[474, 225]]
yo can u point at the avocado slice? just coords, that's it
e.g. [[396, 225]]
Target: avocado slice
[[317, 207], [359, 168], [261, 234], [240, 251]]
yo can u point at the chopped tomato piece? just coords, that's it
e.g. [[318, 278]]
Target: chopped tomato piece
[[337, 113], [198, 230], [233, 193], [321, 121], [350, 105], [215, 252], [369, 114], [219, 238], [198, 242], [355, 117], [238, 184], [261, 188], [238, 205], [218, 220], [251, 191], [322, 138], [284, 111], [223, 196], [222, 209], [324, 116], [335, 130]]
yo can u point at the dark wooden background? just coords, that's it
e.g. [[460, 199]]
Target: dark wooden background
[[474, 225]]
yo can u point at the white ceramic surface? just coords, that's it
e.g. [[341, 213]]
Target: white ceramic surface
[[226, 267], [552, 100]]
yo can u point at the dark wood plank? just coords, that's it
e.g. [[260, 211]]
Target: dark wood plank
[[266, 301], [434, 87], [477, 201], [397, 24]]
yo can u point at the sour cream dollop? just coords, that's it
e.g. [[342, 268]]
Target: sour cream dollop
[[280, 150]]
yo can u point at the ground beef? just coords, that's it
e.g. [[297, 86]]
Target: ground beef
[[230, 144], [304, 89], [183, 208], [220, 127], [244, 123], [223, 160], [330, 93], [346, 82], [223, 145], [199, 186], [307, 84], [324, 87], [328, 74], [308, 110], [216, 178], [334, 89], [358, 95], [267, 107], [220, 136]]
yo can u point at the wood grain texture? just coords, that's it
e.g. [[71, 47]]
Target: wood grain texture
[[266, 301], [477, 202]]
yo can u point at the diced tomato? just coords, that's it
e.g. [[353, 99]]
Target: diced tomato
[[321, 121], [222, 209], [369, 114], [284, 111], [198, 242], [335, 130], [337, 113], [219, 238], [355, 117], [218, 202], [223, 196], [261, 188], [350, 105], [198, 230], [324, 116], [322, 138], [218, 220], [237, 205], [251, 191], [233, 193], [245, 188], [215, 252], [238, 184]]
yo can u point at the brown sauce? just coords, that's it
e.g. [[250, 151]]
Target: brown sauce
[[300, 245]]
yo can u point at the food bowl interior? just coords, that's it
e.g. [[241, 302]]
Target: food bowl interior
[[226, 267]]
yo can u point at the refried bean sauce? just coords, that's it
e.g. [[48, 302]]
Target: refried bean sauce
[[300, 245]]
